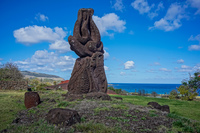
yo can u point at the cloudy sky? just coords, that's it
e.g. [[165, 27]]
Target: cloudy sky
[[145, 41]]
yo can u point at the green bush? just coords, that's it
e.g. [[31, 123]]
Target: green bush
[[118, 91], [173, 94], [10, 72]]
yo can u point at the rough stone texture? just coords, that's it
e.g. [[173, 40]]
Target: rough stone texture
[[13, 85], [98, 95], [120, 98], [31, 99], [63, 117], [88, 74], [72, 97], [165, 108], [158, 106], [155, 105]]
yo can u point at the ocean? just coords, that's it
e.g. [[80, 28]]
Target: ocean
[[134, 87]]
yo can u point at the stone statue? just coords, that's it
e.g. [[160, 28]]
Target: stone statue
[[88, 75]]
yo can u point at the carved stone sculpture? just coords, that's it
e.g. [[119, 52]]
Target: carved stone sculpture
[[88, 74]]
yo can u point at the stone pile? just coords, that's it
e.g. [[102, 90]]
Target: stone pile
[[13, 85]]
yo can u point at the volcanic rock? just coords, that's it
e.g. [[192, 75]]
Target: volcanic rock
[[88, 74], [31, 99], [63, 117]]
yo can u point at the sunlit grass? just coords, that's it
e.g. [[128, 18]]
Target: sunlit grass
[[188, 109], [10, 102]]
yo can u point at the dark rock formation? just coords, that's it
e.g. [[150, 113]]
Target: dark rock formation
[[98, 95], [155, 105], [165, 108], [88, 74], [120, 98], [63, 117], [31, 99], [158, 106]]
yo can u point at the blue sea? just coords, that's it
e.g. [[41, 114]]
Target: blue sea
[[134, 87]]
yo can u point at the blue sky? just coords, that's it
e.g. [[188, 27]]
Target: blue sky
[[145, 41]]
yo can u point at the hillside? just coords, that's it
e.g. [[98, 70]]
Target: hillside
[[31, 75]]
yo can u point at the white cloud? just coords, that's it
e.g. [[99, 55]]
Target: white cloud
[[131, 32], [151, 71], [122, 73], [36, 34], [109, 22], [185, 67], [106, 54], [118, 5], [129, 65], [42, 60], [41, 17], [196, 67], [172, 19], [195, 4], [165, 70], [194, 47], [155, 13], [60, 45], [106, 68], [1, 59], [196, 38], [156, 63], [180, 61], [142, 6]]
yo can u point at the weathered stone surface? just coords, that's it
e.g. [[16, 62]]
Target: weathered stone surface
[[158, 106], [165, 108], [13, 85], [155, 105], [63, 117], [98, 95], [72, 97], [31, 99], [120, 98], [88, 74]]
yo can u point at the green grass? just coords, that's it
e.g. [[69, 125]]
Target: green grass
[[10, 105], [120, 106], [41, 126], [188, 109], [97, 110], [91, 127]]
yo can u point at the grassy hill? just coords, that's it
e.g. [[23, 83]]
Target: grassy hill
[[31, 75]]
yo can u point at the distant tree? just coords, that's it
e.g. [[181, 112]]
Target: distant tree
[[173, 94], [154, 94], [139, 92], [54, 83], [191, 88], [118, 91], [10, 71]]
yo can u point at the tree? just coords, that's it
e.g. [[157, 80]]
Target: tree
[[173, 94], [10, 71], [191, 88], [154, 94]]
